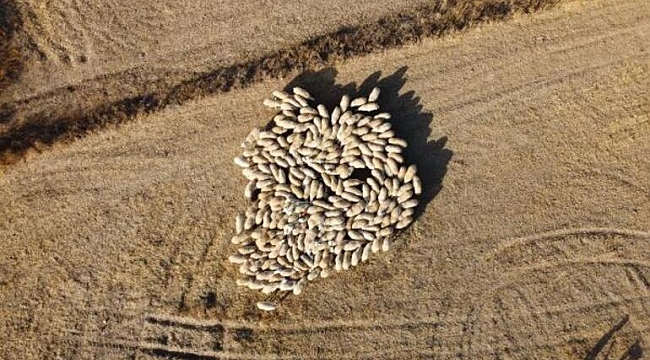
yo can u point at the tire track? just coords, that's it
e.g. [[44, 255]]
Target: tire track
[[523, 90], [617, 179], [502, 92], [554, 283], [37, 130], [349, 325], [549, 345], [400, 337], [509, 310], [186, 337], [575, 39], [162, 336], [572, 326], [554, 235]]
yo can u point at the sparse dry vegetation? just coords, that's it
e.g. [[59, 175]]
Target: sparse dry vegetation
[[11, 61], [530, 131], [42, 129]]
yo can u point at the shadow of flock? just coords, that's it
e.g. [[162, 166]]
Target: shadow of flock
[[408, 120]]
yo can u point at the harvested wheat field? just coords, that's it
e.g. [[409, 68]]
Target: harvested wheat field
[[528, 121]]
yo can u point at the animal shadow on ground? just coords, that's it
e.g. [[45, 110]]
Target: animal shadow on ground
[[634, 352], [408, 120]]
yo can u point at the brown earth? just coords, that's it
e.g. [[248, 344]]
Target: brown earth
[[11, 60], [531, 136], [63, 113]]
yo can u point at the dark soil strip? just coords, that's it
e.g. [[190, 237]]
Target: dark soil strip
[[436, 19], [11, 64]]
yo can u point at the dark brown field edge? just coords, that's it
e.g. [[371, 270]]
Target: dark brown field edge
[[11, 60], [41, 130]]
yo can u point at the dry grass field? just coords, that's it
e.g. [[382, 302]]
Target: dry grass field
[[529, 122]]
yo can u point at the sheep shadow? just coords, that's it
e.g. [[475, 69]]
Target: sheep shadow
[[409, 121]]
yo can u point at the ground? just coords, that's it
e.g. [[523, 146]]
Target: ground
[[531, 132]]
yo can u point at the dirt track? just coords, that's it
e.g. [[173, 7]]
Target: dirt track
[[536, 245]]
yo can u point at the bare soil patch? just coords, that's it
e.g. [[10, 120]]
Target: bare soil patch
[[532, 137], [38, 129], [11, 61]]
